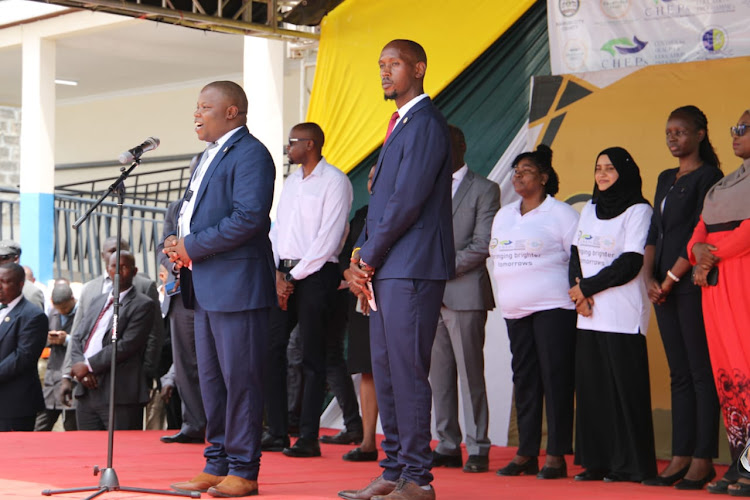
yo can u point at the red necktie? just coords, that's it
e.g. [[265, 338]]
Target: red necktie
[[101, 314], [391, 124]]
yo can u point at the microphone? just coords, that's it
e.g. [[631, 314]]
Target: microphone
[[133, 154]]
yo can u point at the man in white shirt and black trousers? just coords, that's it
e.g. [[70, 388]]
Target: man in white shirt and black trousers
[[307, 237]]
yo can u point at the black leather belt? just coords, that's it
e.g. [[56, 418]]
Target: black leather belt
[[287, 264]]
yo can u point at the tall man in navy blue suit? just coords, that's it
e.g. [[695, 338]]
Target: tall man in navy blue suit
[[407, 254], [223, 237]]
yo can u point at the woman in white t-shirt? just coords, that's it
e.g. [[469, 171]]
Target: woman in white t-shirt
[[614, 430], [530, 248]]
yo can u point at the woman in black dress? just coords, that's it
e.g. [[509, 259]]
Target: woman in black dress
[[677, 207]]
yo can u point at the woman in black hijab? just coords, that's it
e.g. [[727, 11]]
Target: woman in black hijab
[[614, 431]]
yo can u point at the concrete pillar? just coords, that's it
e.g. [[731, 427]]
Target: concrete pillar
[[37, 153], [263, 70]]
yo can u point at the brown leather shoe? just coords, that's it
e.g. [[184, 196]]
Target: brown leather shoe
[[202, 482], [234, 486], [406, 490], [379, 486]]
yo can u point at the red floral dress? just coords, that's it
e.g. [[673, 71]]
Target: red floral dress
[[726, 312]]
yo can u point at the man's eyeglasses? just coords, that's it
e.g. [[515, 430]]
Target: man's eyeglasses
[[739, 130], [292, 140], [3, 258]]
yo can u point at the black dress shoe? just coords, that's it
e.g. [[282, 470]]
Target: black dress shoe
[[357, 455], [696, 484], [303, 448], [477, 463], [590, 475], [451, 461], [613, 477], [548, 472], [666, 480], [182, 438], [343, 437], [272, 443], [531, 466]]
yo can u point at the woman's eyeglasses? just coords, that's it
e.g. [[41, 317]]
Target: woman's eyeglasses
[[739, 130]]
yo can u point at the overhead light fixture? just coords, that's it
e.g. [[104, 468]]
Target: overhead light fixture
[[71, 83]]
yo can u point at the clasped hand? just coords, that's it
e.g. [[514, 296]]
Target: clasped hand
[[283, 290], [360, 274], [174, 248], [583, 304]]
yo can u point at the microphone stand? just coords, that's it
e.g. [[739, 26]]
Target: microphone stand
[[108, 481]]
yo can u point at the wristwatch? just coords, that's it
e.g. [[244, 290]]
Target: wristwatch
[[289, 278]]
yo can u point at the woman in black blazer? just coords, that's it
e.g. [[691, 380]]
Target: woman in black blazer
[[677, 301]]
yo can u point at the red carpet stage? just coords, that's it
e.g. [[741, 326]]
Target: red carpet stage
[[32, 462]]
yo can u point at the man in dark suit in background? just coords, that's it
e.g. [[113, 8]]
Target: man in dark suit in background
[[60, 326], [91, 354], [184, 359], [458, 351], [408, 254], [223, 235], [23, 333], [102, 285]]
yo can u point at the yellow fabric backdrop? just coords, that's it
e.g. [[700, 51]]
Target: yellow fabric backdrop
[[347, 100]]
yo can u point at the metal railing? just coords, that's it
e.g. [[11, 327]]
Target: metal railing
[[77, 253], [157, 188]]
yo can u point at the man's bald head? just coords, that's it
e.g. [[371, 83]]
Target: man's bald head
[[409, 48], [234, 95], [313, 131]]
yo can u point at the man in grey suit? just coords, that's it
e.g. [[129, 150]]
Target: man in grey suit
[[458, 351], [102, 285], [184, 358], [91, 355]]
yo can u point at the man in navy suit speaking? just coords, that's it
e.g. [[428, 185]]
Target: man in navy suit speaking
[[227, 276], [406, 256]]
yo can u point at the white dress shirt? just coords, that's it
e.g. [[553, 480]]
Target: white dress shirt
[[458, 176], [188, 206], [97, 336], [312, 218], [5, 311]]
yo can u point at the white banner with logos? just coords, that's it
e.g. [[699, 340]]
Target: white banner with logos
[[594, 35]]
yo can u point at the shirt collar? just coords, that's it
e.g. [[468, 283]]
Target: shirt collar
[[13, 302], [403, 110], [224, 138], [545, 206], [459, 174], [315, 172], [124, 293]]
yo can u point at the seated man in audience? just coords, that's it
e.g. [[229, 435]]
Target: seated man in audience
[[60, 325], [23, 331], [91, 351]]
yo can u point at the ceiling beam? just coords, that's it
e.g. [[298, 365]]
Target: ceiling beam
[[193, 18]]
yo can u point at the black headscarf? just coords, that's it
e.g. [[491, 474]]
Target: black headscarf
[[626, 190]]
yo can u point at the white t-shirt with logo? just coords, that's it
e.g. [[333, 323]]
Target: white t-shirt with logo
[[620, 309], [530, 255]]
